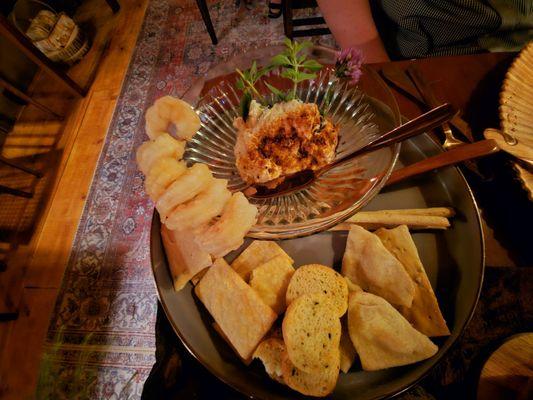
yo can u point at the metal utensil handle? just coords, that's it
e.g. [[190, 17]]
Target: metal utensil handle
[[423, 123]]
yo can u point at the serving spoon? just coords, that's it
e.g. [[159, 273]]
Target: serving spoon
[[423, 123]]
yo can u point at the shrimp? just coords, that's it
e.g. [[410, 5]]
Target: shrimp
[[163, 146], [162, 174], [190, 198], [188, 185], [200, 210], [228, 232], [167, 111]]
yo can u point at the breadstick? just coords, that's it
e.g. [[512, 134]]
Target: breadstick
[[392, 219], [375, 221], [431, 211]]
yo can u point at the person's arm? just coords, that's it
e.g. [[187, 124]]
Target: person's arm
[[352, 25]]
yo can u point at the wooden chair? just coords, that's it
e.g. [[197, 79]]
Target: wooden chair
[[202, 6], [289, 23]]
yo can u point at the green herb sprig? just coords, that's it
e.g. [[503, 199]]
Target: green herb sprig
[[246, 83], [293, 65], [249, 77]]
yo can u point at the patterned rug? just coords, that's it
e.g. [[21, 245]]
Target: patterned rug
[[100, 342]]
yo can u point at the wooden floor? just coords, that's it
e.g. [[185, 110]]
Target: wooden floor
[[33, 276]]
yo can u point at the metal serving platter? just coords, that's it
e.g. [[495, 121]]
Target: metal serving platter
[[454, 261]]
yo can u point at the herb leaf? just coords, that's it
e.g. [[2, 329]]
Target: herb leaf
[[281, 96], [304, 76], [280, 60], [239, 84], [253, 69], [244, 105], [312, 65], [293, 65], [248, 78]]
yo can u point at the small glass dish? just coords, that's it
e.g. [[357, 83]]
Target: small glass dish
[[363, 112]]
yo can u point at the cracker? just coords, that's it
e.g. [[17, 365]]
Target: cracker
[[198, 277], [318, 384], [311, 332], [347, 350], [382, 337], [316, 278], [257, 253], [219, 330], [239, 311], [370, 265], [352, 287], [424, 313], [185, 258], [270, 281]]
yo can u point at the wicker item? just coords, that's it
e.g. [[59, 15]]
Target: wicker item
[[58, 37], [516, 100], [42, 25], [516, 116]]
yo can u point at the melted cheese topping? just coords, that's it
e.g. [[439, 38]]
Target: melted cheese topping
[[285, 139]]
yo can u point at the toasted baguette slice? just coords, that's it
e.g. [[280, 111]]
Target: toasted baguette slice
[[424, 314], [316, 278], [270, 281], [184, 257], [382, 337], [370, 265], [239, 311], [347, 350], [318, 384], [270, 352], [256, 254], [312, 332]]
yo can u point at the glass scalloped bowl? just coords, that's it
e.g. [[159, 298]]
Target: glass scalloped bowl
[[362, 112]]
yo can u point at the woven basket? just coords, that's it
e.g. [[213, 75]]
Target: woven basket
[[55, 34], [66, 42]]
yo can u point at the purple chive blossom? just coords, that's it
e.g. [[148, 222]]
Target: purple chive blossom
[[348, 64]]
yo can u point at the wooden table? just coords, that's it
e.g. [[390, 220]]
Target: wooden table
[[508, 373], [472, 83]]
